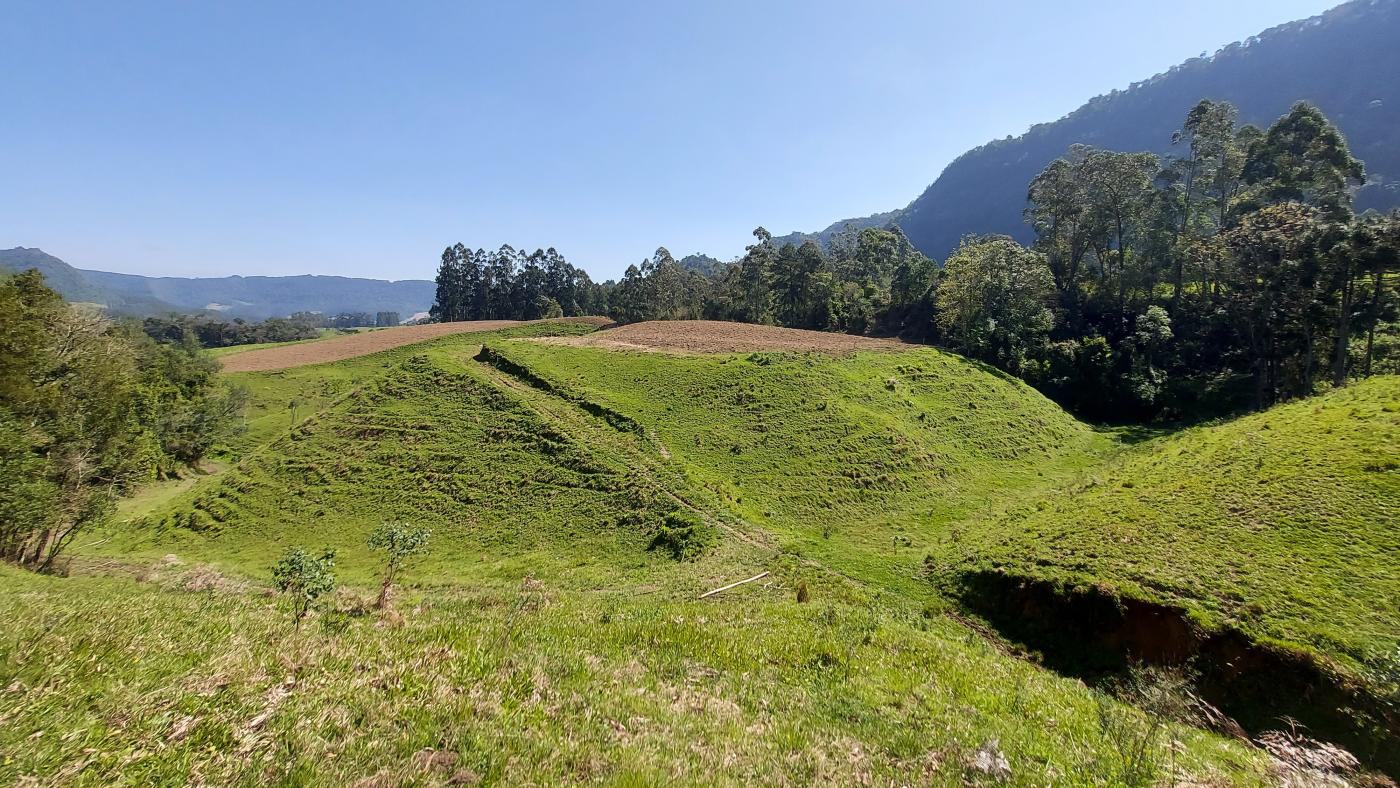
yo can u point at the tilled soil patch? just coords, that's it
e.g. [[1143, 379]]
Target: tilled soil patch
[[714, 336]]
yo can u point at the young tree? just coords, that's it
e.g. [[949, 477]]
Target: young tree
[[29, 498], [183, 402], [305, 578], [400, 542]]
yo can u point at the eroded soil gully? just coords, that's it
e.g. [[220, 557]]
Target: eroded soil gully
[[1091, 634]]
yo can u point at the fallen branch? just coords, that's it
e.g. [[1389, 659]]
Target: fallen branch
[[758, 576]]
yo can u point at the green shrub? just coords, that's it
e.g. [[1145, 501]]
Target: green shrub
[[304, 578], [683, 536]]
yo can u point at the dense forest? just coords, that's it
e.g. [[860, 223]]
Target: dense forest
[[89, 408], [1230, 274], [511, 285]]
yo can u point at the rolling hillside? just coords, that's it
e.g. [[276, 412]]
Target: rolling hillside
[[1282, 527], [555, 628], [584, 488], [857, 460]]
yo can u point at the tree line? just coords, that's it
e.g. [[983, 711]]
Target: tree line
[[212, 332], [88, 409], [509, 284], [1229, 274]]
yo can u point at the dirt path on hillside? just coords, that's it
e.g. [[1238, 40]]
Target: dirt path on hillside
[[714, 336], [366, 342]]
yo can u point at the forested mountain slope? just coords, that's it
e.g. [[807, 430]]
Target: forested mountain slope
[[75, 286], [1344, 61]]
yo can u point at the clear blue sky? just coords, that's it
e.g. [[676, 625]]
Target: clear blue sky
[[211, 138]]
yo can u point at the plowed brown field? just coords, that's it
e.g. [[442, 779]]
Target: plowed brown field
[[713, 336], [366, 342]]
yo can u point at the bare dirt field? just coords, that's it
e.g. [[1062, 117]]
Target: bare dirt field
[[364, 343], [713, 336]]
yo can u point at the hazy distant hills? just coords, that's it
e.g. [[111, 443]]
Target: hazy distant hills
[[252, 297], [1346, 61]]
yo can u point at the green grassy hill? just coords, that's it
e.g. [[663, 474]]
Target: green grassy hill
[[581, 500], [857, 461], [551, 636], [1285, 524], [1282, 527]]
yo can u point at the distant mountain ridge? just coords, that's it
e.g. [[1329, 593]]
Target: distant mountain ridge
[[1345, 61], [823, 237], [249, 297]]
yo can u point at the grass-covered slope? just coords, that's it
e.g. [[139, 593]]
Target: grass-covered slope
[[1284, 525], [859, 460], [281, 398], [107, 681], [428, 442], [552, 635], [542, 641]]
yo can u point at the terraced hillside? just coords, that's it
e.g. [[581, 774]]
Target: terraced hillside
[[1282, 527], [581, 500], [393, 451], [856, 460]]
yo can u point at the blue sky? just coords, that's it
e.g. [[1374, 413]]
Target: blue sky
[[214, 138]]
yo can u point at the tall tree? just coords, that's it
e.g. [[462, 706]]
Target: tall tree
[[1203, 181], [1272, 295], [753, 280], [802, 286], [994, 302], [1064, 225], [1119, 190], [447, 300], [1304, 158], [501, 267]]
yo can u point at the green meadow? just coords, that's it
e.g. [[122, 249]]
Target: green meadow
[[581, 500]]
